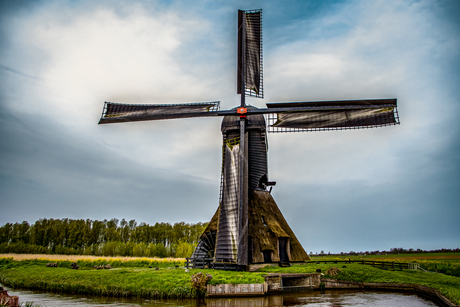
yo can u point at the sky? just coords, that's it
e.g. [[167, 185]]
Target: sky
[[340, 191]]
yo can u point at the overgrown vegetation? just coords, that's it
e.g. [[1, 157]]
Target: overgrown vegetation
[[100, 238], [23, 304], [28, 304]]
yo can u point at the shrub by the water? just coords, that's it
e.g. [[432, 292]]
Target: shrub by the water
[[199, 282]]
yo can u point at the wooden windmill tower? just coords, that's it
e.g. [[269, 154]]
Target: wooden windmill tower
[[248, 227]]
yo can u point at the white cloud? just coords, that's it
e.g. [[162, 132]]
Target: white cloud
[[88, 56]]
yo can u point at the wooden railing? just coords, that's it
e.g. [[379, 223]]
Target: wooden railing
[[198, 263], [382, 264], [208, 263]]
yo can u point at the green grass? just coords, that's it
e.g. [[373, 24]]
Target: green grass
[[446, 263], [141, 282], [172, 282], [389, 256], [90, 263]]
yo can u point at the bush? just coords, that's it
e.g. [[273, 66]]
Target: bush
[[199, 282]]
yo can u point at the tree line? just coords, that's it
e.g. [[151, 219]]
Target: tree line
[[396, 250], [100, 238]]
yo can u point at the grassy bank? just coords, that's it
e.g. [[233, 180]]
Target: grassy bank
[[133, 277], [121, 281]]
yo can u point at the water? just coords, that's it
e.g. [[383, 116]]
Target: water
[[356, 298], [330, 298]]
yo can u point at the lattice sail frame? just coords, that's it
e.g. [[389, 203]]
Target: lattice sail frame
[[229, 230], [334, 115], [253, 53], [121, 112], [225, 143]]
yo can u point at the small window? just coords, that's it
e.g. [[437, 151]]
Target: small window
[[267, 256], [263, 221]]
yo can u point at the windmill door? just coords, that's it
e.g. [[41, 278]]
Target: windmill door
[[283, 246], [250, 250], [267, 256]]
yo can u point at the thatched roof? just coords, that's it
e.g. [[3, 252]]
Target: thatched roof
[[266, 226], [264, 211], [214, 223]]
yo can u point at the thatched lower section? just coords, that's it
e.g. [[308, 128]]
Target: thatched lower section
[[213, 225], [270, 238], [268, 229]]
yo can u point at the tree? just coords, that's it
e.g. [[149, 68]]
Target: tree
[[184, 249], [107, 237], [124, 231]]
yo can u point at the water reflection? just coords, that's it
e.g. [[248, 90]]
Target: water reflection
[[315, 298], [356, 298]]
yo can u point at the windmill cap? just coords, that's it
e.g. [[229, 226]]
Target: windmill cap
[[253, 121]]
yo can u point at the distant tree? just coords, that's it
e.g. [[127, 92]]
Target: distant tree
[[107, 237], [5, 233], [160, 250], [184, 249], [124, 231]]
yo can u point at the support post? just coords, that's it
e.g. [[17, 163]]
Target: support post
[[243, 196], [242, 204]]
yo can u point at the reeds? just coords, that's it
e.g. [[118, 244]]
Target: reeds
[[65, 261], [20, 257]]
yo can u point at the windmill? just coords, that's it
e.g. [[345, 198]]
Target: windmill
[[248, 227]]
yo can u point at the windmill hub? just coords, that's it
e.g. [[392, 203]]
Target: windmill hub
[[242, 112], [248, 227]]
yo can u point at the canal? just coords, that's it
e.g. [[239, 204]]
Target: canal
[[333, 298]]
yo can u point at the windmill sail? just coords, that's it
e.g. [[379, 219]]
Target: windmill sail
[[250, 53], [120, 112], [332, 115], [228, 233]]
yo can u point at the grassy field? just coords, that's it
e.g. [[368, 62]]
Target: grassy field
[[390, 257], [132, 277], [446, 263], [65, 261], [73, 258]]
